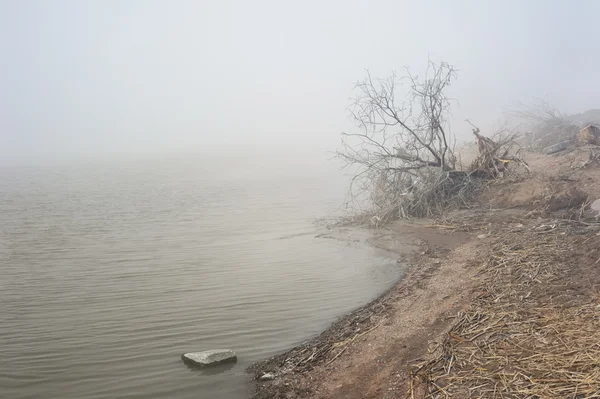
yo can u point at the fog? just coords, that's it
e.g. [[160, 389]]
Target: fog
[[105, 78]]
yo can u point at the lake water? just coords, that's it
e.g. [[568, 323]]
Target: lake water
[[110, 271]]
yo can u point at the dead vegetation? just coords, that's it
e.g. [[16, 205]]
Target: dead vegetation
[[548, 128], [534, 330], [550, 131], [496, 154], [403, 158]]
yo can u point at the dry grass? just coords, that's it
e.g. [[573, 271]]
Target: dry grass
[[534, 329]]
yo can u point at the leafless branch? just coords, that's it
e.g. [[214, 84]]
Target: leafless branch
[[402, 154], [402, 134], [546, 124]]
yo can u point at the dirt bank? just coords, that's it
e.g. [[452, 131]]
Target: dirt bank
[[499, 301], [379, 332]]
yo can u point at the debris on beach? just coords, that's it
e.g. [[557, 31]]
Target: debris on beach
[[267, 377], [534, 329]]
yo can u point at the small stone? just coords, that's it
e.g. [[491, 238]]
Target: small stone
[[481, 236], [596, 206], [589, 135], [267, 377], [210, 358], [563, 145]]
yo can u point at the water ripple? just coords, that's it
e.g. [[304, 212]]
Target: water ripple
[[110, 272]]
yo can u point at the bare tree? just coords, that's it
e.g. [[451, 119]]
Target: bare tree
[[538, 111], [546, 124], [403, 135], [402, 155]]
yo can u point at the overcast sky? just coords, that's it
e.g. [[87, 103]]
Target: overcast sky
[[125, 76]]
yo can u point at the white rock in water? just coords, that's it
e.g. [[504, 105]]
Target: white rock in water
[[209, 358]]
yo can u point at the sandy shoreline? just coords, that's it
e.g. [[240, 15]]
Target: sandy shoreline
[[426, 250]]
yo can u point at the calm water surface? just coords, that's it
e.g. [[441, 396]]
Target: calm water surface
[[110, 271]]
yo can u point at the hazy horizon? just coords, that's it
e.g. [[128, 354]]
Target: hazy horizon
[[104, 79]]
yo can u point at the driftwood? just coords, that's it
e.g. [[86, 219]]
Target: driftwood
[[495, 155]]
